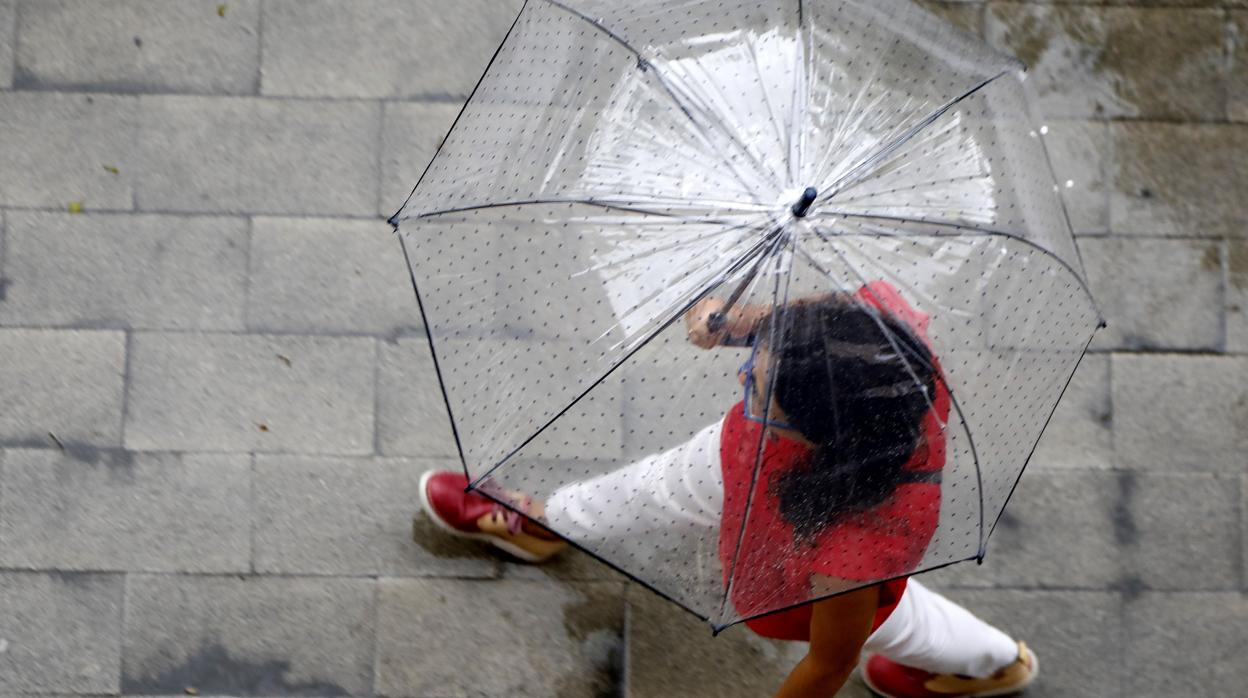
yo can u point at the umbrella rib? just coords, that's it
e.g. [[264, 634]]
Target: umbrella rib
[[777, 309], [862, 279], [953, 400], [586, 202], [672, 246], [394, 219], [437, 369], [1061, 200], [771, 112], [964, 229], [800, 99], [644, 64], [667, 248], [511, 505], [863, 167], [717, 629], [1042, 430], [758, 247], [775, 127], [700, 95], [928, 183]]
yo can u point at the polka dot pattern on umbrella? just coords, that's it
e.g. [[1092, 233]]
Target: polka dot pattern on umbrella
[[761, 300]]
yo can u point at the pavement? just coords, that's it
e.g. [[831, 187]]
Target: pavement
[[218, 396]]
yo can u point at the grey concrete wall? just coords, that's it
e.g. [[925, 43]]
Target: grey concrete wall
[[207, 465]]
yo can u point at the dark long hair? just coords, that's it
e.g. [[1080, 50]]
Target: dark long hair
[[844, 385]]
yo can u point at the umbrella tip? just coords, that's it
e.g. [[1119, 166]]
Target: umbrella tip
[[803, 204]]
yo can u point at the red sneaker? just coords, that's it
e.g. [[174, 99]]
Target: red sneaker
[[892, 680], [473, 515]]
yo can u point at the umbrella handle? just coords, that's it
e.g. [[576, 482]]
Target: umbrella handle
[[716, 322]]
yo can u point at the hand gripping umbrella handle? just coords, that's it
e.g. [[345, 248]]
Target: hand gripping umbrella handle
[[719, 319], [716, 323]]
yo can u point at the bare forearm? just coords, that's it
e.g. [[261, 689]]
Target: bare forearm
[[811, 679], [739, 322], [744, 318]]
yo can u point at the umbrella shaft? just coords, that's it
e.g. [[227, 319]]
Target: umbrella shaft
[[719, 319]]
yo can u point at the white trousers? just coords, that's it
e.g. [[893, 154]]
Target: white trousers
[[929, 632], [682, 490]]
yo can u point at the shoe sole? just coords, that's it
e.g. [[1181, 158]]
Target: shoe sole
[[513, 550], [1035, 671]]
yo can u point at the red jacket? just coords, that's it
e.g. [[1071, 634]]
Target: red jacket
[[885, 542]]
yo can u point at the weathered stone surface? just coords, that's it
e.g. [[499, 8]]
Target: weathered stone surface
[[139, 45], [65, 269], [8, 16], [570, 565], [352, 516], [1077, 635], [543, 376], [380, 48], [520, 639], [1080, 434], [326, 275], [1185, 644], [88, 509], [59, 149], [251, 393], [1180, 413], [967, 16], [61, 632], [1110, 62], [590, 430], [1058, 530], [1156, 294], [241, 155], [1179, 179], [672, 653], [1080, 154], [1076, 540], [1182, 531], [673, 389], [1237, 105], [411, 133], [61, 386], [248, 635], [1237, 296], [411, 413]]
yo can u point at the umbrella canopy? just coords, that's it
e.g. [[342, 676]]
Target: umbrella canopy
[[850, 200]]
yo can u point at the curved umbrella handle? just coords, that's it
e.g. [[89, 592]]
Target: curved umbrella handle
[[716, 322]]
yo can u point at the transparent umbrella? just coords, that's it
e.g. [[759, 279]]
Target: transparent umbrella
[[755, 301]]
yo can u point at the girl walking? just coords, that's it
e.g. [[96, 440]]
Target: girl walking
[[844, 491]]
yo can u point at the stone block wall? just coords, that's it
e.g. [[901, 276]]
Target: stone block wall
[[217, 396]]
